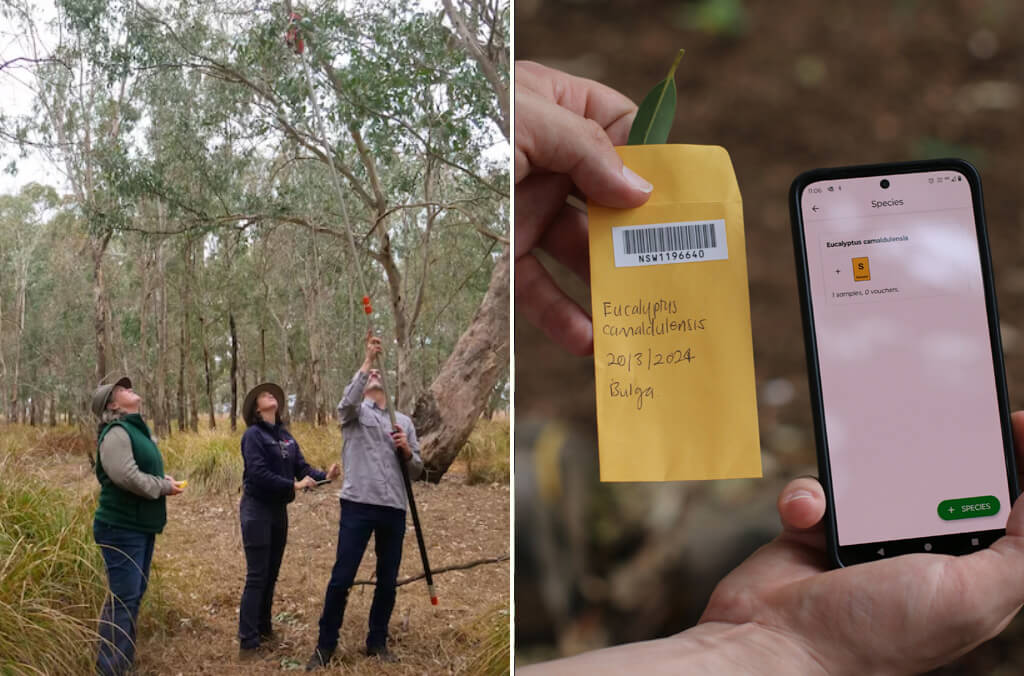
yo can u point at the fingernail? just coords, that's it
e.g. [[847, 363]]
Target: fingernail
[[635, 180], [798, 494]]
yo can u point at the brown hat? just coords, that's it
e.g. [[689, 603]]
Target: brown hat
[[249, 407], [101, 397]]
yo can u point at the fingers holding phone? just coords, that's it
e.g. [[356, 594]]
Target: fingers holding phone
[[305, 482], [907, 381]]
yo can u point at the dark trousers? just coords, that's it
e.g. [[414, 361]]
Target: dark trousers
[[127, 555], [358, 522], [264, 535]]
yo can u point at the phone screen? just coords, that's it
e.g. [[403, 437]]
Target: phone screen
[[908, 384]]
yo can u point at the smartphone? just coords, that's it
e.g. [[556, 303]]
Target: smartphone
[[904, 359]]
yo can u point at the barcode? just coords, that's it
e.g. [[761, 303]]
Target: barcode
[[664, 243], [670, 238]]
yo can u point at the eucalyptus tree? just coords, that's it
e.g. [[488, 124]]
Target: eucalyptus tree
[[23, 229], [406, 114], [204, 194]]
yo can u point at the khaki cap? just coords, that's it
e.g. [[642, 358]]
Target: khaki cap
[[101, 397]]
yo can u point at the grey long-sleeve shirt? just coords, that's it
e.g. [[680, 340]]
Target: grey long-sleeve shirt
[[372, 471], [119, 464]]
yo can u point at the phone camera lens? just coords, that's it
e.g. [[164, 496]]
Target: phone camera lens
[[884, 183]]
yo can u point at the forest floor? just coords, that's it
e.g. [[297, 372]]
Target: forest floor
[[189, 620]]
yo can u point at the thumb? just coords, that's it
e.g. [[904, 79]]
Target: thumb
[[552, 138], [993, 578], [1015, 523]]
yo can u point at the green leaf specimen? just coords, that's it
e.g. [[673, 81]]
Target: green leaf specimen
[[654, 117]]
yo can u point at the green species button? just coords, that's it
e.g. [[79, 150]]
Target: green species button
[[968, 508]]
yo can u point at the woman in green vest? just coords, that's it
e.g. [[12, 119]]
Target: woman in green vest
[[131, 512]]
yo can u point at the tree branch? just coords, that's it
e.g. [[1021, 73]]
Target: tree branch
[[445, 569], [468, 41], [340, 91]]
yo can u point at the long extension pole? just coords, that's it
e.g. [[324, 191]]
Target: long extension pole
[[403, 463]]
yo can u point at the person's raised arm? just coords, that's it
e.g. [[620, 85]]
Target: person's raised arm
[[352, 399]]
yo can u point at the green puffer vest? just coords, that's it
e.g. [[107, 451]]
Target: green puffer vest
[[122, 508]]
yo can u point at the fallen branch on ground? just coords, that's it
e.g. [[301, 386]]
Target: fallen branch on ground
[[458, 566]]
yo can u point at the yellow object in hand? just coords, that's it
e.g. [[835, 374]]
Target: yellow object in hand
[[184, 483]]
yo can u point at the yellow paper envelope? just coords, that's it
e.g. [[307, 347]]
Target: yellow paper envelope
[[673, 356]]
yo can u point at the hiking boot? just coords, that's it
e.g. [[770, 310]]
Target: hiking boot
[[319, 659], [382, 653], [249, 654]]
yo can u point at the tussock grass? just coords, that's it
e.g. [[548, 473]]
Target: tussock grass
[[489, 635], [209, 460], [27, 442], [52, 581], [487, 453]]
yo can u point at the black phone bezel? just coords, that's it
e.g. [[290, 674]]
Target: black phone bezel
[[959, 543]]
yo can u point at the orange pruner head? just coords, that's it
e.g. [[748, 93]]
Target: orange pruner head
[[293, 37]]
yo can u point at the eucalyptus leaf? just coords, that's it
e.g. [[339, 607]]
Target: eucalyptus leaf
[[654, 118]]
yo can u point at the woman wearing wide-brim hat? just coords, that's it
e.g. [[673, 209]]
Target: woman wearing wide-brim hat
[[274, 470], [130, 513]]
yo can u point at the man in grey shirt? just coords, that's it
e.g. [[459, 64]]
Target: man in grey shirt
[[373, 501]]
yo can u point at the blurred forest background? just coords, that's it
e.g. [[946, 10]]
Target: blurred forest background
[[784, 87]]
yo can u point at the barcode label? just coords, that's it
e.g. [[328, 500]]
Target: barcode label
[[665, 243]]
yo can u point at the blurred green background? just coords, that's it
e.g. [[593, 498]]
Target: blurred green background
[[785, 87]]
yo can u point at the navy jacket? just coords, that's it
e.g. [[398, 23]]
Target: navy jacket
[[273, 462]]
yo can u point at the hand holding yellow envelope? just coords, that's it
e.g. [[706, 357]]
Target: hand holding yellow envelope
[[673, 356]]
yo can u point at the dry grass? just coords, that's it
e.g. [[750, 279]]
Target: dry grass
[[189, 617], [486, 454], [490, 635]]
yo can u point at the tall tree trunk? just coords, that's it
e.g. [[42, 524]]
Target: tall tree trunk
[[447, 412], [145, 339], [181, 380], [263, 353], [19, 308], [298, 377], [162, 409], [234, 372], [190, 369], [99, 295], [312, 296], [206, 365]]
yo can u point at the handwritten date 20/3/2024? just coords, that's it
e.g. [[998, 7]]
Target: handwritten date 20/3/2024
[[650, 359], [636, 391]]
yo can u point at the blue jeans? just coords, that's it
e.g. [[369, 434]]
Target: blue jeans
[[127, 555], [358, 522], [264, 536]]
